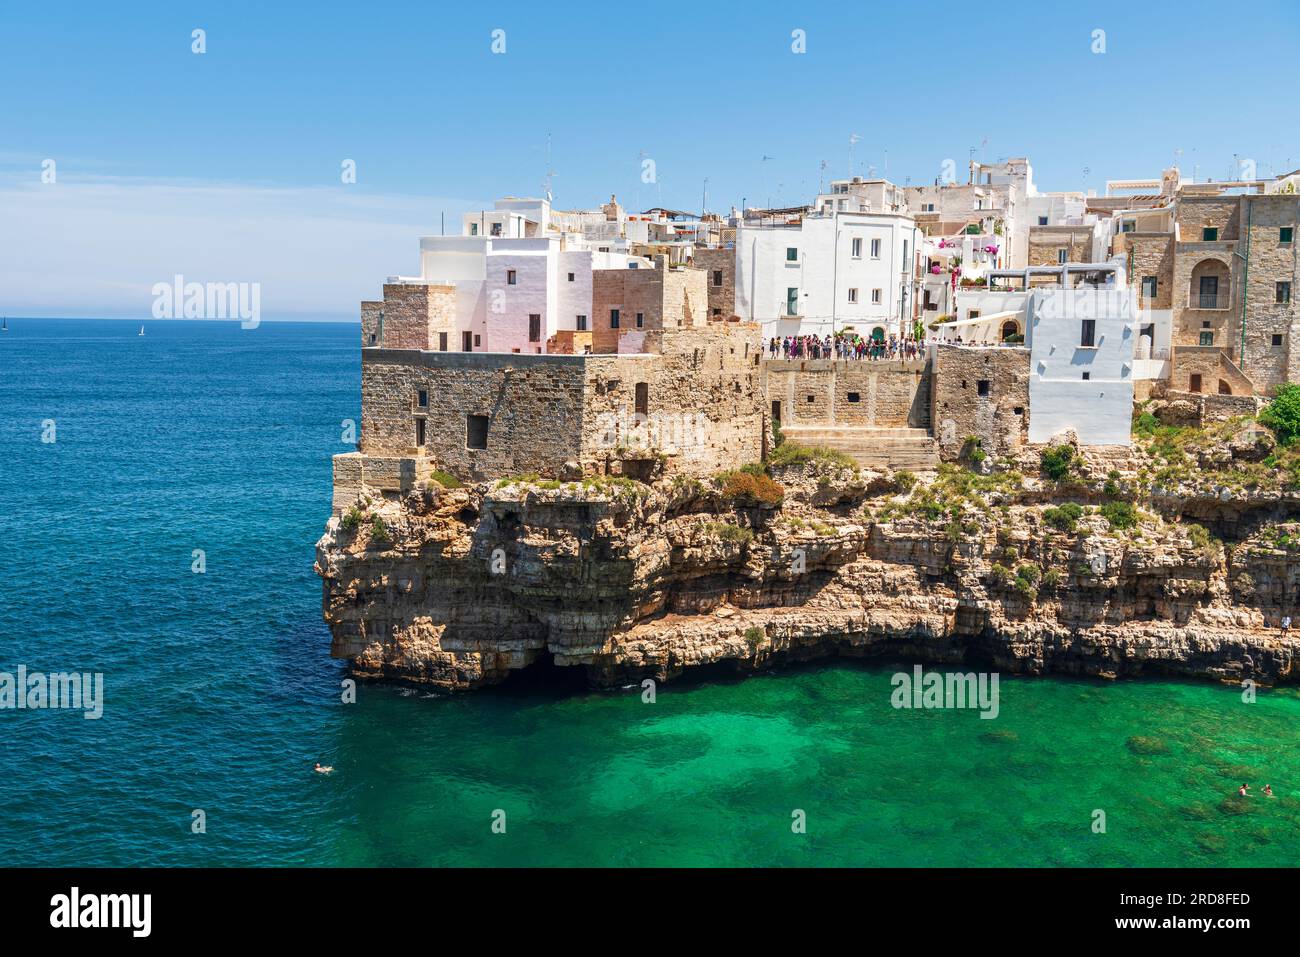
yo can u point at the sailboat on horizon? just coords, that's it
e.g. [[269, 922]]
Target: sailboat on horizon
[[4, 327], [141, 328]]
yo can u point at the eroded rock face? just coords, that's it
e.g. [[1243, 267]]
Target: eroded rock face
[[627, 582]]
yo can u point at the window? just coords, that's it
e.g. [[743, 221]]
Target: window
[[1087, 376], [373, 337], [1088, 334], [476, 431], [473, 229], [570, 277], [613, 318], [642, 398], [478, 341], [1207, 339], [1128, 226], [419, 433], [1283, 292], [812, 398], [791, 254], [632, 265], [717, 277], [422, 400], [640, 319], [857, 249], [855, 397], [1194, 382], [1277, 339], [1042, 220], [1149, 287], [1210, 234], [510, 277], [442, 341], [1060, 256], [982, 387], [582, 323], [973, 314], [496, 229], [853, 295], [1286, 234], [792, 301], [466, 342], [875, 249], [534, 327], [875, 296]]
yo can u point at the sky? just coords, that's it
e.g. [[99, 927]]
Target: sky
[[226, 165]]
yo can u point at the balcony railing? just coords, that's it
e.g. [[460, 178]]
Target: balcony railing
[[1209, 300]]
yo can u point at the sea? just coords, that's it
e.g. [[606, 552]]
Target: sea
[[160, 499]]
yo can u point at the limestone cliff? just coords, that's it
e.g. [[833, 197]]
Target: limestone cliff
[[1118, 568]]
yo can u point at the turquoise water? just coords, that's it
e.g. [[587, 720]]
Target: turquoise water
[[220, 692]]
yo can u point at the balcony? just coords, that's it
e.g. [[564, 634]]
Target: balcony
[[1209, 300]]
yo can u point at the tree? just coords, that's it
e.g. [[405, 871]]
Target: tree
[[1282, 415]]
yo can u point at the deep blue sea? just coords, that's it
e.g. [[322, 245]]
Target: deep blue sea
[[220, 693]]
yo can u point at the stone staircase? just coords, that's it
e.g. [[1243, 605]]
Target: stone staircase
[[911, 449]]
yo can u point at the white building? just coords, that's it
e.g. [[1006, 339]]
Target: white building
[[522, 273], [828, 273]]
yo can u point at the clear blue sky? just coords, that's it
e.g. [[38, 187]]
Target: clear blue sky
[[435, 121]]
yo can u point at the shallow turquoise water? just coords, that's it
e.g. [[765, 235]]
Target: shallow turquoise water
[[220, 693]]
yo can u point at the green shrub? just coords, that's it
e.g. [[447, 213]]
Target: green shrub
[[1029, 573], [1051, 579], [905, 480], [787, 453], [446, 479], [1146, 424], [1057, 461], [379, 531], [1120, 514], [1000, 574], [1026, 590], [729, 532], [741, 488], [1065, 517], [1199, 535], [1282, 415], [754, 637], [351, 519], [754, 468]]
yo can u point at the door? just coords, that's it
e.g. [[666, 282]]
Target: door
[[467, 342], [1209, 292]]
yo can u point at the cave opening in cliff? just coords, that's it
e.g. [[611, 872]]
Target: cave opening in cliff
[[544, 675]]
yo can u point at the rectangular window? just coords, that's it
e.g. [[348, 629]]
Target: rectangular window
[[1277, 339], [613, 318], [1060, 256], [982, 387], [1149, 286], [792, 301], [478, 341], [642, 398], [1042, 220], [570, 277], [875, 249], [1087, 376], [1210, 234], [1207, 339], [442, 341], [857, 249], [1128, 226], [855, 397], [791, 254], [640, 319], [717, 277], [419, 433], [534, 327], [853, 295], [973, 314], [582, 323], [1194, 382], [476, 431], [1286, 234], [876, 295], [510, 277], [496, 229], [1284, 292], [473, 229], [466, 342], [1088, 334], [422, 399]]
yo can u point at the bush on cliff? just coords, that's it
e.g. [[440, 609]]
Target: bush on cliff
[[1282, 415], [1057, 461], [743, 488], [1064, 518], [1121, 515], [379, 533], [351, 519], [788, 453], [446, 479]]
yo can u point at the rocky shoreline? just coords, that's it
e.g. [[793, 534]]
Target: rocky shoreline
[[987, 563]]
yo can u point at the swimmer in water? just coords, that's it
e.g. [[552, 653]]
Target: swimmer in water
[[320, 769], [1268, 790], [1241, 791]]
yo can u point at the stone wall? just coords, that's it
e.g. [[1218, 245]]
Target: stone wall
[[1215, 370], [1269, 358], [1194, 213], [719, 267], [1000, 417], [663, 298], [1046, 241], [883, 394], [415, 315], [1152, 254]]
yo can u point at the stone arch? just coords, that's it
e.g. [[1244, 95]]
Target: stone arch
[[1211, 284], [1224, 388], [1010, 328]]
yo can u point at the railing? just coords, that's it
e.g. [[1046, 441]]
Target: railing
[[1209, 300]]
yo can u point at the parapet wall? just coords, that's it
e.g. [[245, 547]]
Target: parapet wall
[[862, 393]]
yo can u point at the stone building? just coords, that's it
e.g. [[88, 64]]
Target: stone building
[[981, 393], [628, 304], [719, 267]]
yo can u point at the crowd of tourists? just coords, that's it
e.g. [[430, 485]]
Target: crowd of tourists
[[845, 345]]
